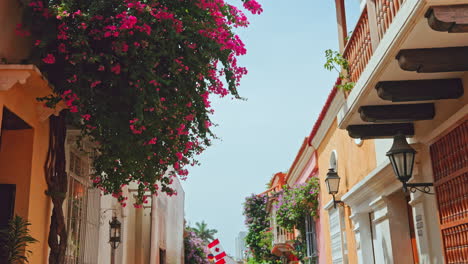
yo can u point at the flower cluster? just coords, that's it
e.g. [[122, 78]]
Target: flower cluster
[[295, 203], [137, 77], [195, 251], [259, 237]]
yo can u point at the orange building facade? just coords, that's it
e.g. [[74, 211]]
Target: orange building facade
[[24, 134], [408, 61]]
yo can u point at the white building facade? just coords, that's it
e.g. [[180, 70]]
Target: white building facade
[[149, 235]]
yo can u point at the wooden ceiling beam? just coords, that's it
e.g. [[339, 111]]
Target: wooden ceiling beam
[[451, 59], [420, 90], [375, 131], [397, 112], [452, 19]]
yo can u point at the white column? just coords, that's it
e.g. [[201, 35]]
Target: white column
[[363, 237], [381, 231]]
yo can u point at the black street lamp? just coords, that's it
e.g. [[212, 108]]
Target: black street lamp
[[401, 156], [333, 184], [114, 236]]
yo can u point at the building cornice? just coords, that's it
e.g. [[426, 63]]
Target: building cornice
[[379, 183], [34, 83], [328, 119]]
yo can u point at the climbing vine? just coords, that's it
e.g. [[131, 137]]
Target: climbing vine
[[292, 207], [259, 237]]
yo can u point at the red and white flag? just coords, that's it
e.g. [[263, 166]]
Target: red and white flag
[[217, 251]]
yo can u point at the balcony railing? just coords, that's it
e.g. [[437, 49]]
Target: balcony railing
[[358, 50], [370, 29], [386, 10], [281, 236]]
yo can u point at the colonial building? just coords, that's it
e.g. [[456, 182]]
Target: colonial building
[[24, 134], [153, 234], [408, 60]]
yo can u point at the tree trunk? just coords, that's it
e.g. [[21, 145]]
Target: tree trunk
[[56, 178]]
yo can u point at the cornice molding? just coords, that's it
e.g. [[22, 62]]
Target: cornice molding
[[300, 167], [379, 183], [32, 79], [8, 78], [329, 118]]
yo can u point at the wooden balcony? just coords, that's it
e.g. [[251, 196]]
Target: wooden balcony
[[282, 241], [371, 27], [281, 236]]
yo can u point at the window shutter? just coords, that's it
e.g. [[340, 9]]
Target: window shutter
[[335, 235], [450, 168]]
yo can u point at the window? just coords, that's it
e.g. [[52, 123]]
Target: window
[[338, 236], [311, 240], [82, 213]]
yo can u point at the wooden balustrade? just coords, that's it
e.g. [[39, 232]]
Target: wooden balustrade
[[359, 48], [281, 236], [386, 10]]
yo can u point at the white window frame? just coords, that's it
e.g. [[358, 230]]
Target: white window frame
[[311, 239], [89, 212]]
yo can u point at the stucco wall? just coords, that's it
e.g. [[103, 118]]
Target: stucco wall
[[168, 226], [15, 165], [13, 48], [354, 163], [34, 204]]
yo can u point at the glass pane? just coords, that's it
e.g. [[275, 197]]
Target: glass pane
[[410, 159], [400, 163], [76, 199]]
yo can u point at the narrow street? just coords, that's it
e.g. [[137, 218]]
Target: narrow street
[[233, 132]]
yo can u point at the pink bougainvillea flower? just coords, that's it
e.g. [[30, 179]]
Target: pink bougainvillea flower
[[86, 117], [95, 83], [253, 6], [62, 48], [49, 59], [116, 69]]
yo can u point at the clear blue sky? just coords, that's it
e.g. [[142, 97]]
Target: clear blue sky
[[286, 88]]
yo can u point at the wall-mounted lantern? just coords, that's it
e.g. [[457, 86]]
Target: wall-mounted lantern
[[114, 236], [333, 184], [114, 232], [402, 156]]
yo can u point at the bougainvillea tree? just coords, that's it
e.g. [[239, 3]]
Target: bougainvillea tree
[[292, 207], [136, 78], [258, 237], [196, 252]]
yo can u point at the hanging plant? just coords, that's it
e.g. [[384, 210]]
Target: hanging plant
[[295, 203]]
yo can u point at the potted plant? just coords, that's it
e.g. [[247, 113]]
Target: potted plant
[[14, 241]]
